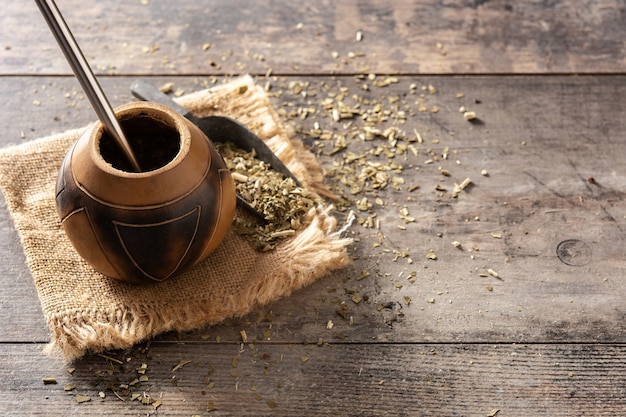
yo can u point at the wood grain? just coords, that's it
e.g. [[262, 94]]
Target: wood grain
[[343, 379], [540, 139], [298, 37], [395, 333]]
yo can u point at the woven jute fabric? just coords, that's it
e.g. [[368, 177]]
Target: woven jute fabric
[[88, 312]]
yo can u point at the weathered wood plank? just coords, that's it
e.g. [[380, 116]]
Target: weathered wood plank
[[542, 141], [298, 37], [421, 337], [344, 379]]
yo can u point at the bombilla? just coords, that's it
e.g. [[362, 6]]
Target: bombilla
[[85, 76]]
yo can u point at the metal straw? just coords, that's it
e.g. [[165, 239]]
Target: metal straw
[[85, 76]]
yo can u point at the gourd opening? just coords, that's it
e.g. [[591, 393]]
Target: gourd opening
[[153, 142]]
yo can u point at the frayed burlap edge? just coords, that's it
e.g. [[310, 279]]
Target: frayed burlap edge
[[315, 251]]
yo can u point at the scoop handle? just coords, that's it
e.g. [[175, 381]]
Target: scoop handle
[[146, 91]]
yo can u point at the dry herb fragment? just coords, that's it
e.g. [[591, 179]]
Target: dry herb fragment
[[110, 358], [82, 398], [460, 187], [237, 177], [167, 88], [181, 364], [469, 115], [493, 273], [142, 369]]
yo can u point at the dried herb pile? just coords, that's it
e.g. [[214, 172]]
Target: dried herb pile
[[284, 205]]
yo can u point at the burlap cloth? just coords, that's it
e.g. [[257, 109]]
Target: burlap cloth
[[86, 311]]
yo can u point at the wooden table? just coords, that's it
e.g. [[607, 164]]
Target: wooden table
[[522, 311]]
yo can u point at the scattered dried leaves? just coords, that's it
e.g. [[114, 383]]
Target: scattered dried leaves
[[372, 162]]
